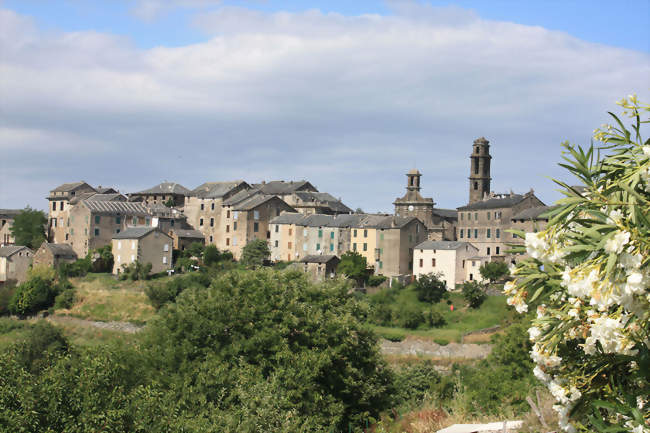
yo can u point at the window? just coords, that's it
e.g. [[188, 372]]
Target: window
[[381, 264], [53, 205], [171, 223], [117, 231], [421, 263], [488, 215], [498, 233], [320, 233], [475, 216], [164, 260], [134, 221], [118, 220], [497, 250], [381, 236], [463, 264], [289, 245], [132, 245], [212, 206], [276, 244], [227, 241], [290, 231], [461, 233], [304, 246], [475, 185], [53, 222], [147, 221], [469, 233], [475, 233], [433, 262], [235, 214], [317, 247], [355, 233], [354, 247], [471, 277], [210, 238], [202, 206], [96, 232], [256, 227], [256, 214], [461, 216], [166, 248], [61, 206], [331, 247], [228, 228], [72, 232], [201, 221], [365, 247], [97, 219], [211, 222], [234, 225], [277, 228], [365, 233], [331, 235], [488, 251], [304, 232], [227, 214], [488, 233]]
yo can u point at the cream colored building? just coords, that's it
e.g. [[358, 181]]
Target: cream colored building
[[304, 197], [6, 222], [59, 207], [284, 236], [473, 269], [144, 245], [14, 263], [448, 258]]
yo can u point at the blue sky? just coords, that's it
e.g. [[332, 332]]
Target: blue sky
[[347, 94]]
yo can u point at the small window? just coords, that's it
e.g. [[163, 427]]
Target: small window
[[96, 232], [202, 206], [164, 260], [471, 276], [331, 247], [276, 244], [72, 231], [211, 222], [201, 221], [365, 247], [212, 206], [132, 258], [475, 185], [289, 245], [488, 215], [256, 227], [166, 248], [317, 247], [489, 233], [147, 221], [381, 236], [461, 216], [421, 263], [53, 222], [475, 216], [475, 233], [53, 205], [228, 228], [498, 233], [235, 214], [171, 223], [497, 248], [256, 214], [227, 214], [331, 235], [488, 251], [290, 231], [381, 265], [354, 247], [234, 241], [433, 262], [211, 239], [461, 233], [234, 225], [61, 207], [320, 233], [119, 259], [134, 221], [117, 231], [365, 233], [227, 241], [355, 233], [97, 219], [277, 228]]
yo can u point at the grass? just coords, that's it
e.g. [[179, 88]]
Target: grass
[[103, 298], [461, 320]]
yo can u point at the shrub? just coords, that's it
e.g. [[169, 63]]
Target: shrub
[[255, 253], [376, 280], [211, 255], [354, 266], [135, 271], [494, 271], [102, 259], [415, 383], [42, 341], [7, 325], [474, 294], [33, 295], [65, 299], [408, 316], [430, 288], [434, 318], [6, 293]]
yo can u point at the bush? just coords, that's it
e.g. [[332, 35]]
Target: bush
[[160, 294], [434, 319], [78, 268], [474, 294], [211, 255], [408, 316], [255, 253], [494, 271], [32, 296], [102, 259], [430, 288], [65, 299], [135, 271], [7, 325], [42, 341], [376, 280], [416, 383], [6, 293]]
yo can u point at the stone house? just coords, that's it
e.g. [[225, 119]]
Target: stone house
[[484, 223], [183, 238], [320, 267], [144, 245], [284, 189], [14, 263], [59, 204], [52, 255], [246, 216], [309, 202], [203, 207], [92, 224], [162, 194], [6, 222], [449, 258]]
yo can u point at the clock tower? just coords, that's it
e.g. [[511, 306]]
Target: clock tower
[[413, 204]]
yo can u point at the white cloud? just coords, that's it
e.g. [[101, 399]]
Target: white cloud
[[149, 10], [351, 103]]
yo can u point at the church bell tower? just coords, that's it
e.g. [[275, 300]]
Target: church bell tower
[[479, 176]]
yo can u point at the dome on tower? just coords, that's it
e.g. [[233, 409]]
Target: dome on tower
[[415, 172]]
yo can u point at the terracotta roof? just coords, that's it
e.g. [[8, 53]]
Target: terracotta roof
[[215, 189], [165, 188], [319, 259], [10, 250], [136, 232], [442, 245]]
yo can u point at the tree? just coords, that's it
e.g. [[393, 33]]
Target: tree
[[255, 253], [588, 277], [430, 288], [194, 250], [169, 202], [211, 255], [29, 228], [494, 271], [474, 294], [354, 266]]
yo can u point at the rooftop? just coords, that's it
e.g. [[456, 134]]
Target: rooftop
[[533, 213], [10, 250], [323, 197], [319, 258], [185, 233], [165, 188], [505, 201], [9, 213], [60, 250], [116, 208], [216, 189], [135, 232], [281, 187], [442, 245]]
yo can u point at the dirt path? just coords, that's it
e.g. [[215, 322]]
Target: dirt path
[[414, 346], [112, 326]]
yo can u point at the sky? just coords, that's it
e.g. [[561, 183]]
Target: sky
[[348, 95]]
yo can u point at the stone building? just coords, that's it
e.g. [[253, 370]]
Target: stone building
[[304, 197], [14, 263], [52, 255], [6, 222], [183, 238], [529, 220], [284, 236], [440, 223], [449, 258], [59, 204], [320, 267], [162, 193], [144, 245], [479, 176]]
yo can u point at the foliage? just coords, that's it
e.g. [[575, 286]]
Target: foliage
[[408, 316], [376, 280], [194, 250], [28, 228], [102, 259], [135, 271], [589, 277], [65, 299], [255, 253], [473, 293], [417, 383], [6, 293], [494, 271], [184, 264], [430, 288], [354, 266], [161, 293], [211, 255], [32, 296], [169, 202], [78, 268], [41, 341], [434, 318]]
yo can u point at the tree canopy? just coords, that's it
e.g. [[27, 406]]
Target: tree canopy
[[28, 228], [255, 253], [430, 288], [354, 266], [494, 271]]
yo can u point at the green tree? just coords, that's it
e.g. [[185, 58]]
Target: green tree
[[102, 259], [255, 253], [430, 288], [354, 266], [169, 202], [474, 294], [211, 255], [494, 271], [194, 250], [29, 228]]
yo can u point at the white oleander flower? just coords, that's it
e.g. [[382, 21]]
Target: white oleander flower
[[616, 243]]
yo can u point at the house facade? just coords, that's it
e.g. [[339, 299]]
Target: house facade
[[448, 258], [14, 263], [59, 207], [163, 193], [144, 245], [320, 267], [6, 222], [52, 255]]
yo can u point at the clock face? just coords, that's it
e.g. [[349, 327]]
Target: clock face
[[411, 208]]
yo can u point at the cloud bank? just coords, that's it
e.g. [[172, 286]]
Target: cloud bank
[[350, 103]]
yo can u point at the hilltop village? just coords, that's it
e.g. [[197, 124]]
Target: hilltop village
[[299, 223]]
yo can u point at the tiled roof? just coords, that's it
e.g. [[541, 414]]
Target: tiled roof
[[116, 208], [240, 196], [183, 233], [66, 187], [9, 213], [10, 250], [532, 213], [61, 250], [495, 203], [135, 232], [389, 222], [319, 258], [322, 197], [281, 187], [106, 190], [215, 189], [107, 197], [288, 218], [442, 245], [446, 213], [254, 201], [165, 188]]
